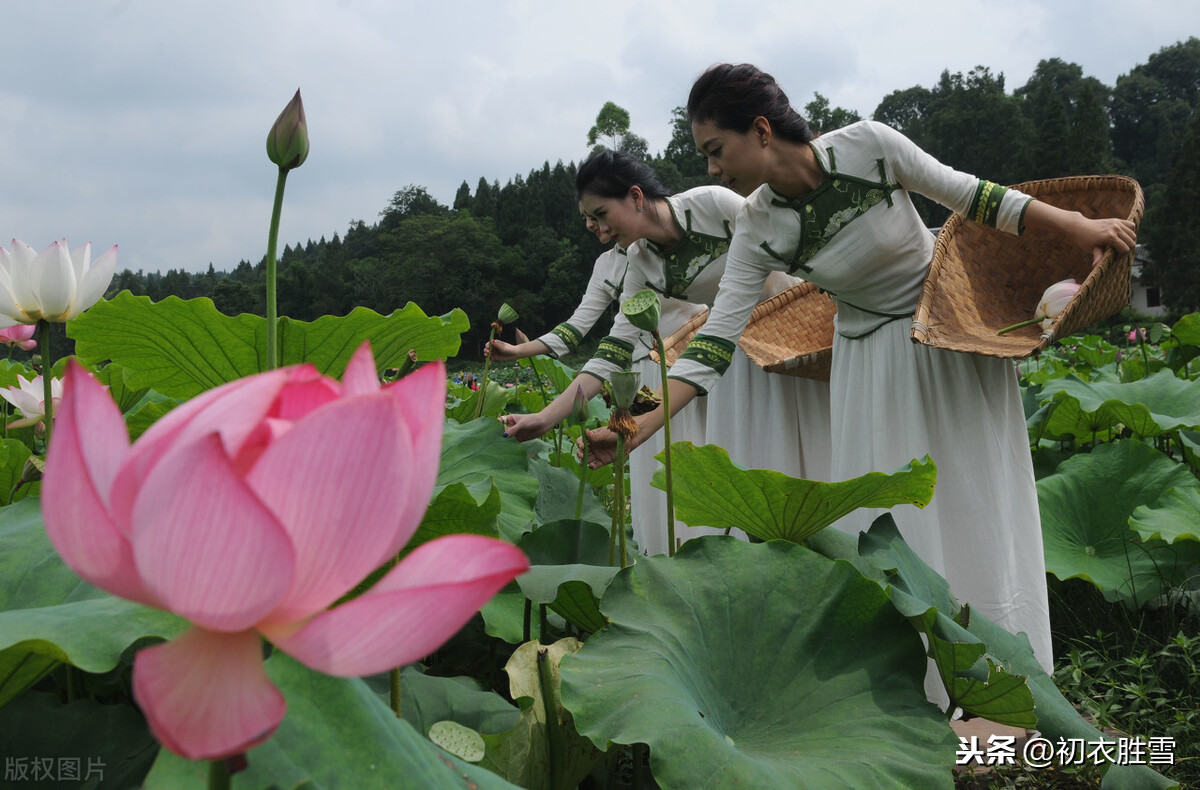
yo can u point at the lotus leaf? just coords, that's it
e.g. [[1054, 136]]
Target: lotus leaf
[[1151, 406], [713, 491], [1085, 508], [1175, 516], [798, 674]]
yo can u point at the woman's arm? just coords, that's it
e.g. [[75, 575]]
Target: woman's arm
[[1092, 235], [602, 443], [524, 427], [500, 351]]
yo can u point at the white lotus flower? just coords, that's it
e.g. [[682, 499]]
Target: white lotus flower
[[1055, 300], [29, 399], [55, 284]]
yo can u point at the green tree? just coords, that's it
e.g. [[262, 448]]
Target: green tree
[[906, 111], [612, 131], [1174, 235], [823, 118], [1150, 110], [1050, 150], [462, 198], [1088, 138]]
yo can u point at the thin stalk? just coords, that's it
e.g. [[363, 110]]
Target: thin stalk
[[47, 365], [582, 478], [272, 242], [666, 405], [218, 775], [394, 689], [1018, 325], [527, 631], [619, 486], [558, 429], [487, 363]]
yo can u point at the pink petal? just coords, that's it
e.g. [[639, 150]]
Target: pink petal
[[422, 396], [411, 612], [306, 391], [205, 544], [89, 444], [234, 409], [206, 695], [338, 481], [361, 376]]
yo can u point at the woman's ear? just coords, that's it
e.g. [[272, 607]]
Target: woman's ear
[[762, 130], [639, 199]]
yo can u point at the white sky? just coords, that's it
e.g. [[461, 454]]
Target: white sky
[[143, 122]]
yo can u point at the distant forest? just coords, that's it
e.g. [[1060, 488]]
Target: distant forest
[[524, 242]]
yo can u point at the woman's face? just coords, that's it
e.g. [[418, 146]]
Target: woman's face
[[737, 159], [593, 226], [617, 218]]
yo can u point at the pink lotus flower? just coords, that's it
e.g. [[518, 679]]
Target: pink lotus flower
[[29, 398], [20, 336], [251, 510], [1137, 335]]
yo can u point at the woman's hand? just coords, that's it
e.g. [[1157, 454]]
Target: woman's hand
[[500, 351], [602, 447], [524, 427], [1092, 235]]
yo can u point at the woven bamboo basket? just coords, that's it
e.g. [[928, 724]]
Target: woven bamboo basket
[[982, 280], [790, 333]]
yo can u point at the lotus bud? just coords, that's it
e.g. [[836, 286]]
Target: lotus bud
[[580, 411], [642, 309], [506, 315], [522, 337], [625, 384], [287, 142], [1055, 300]]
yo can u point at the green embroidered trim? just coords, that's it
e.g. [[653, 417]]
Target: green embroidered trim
[[985, 207], [1021, 219], [615, 350], [690, 256], [567, 334], [699, 390], [710, 351], [838, 201]]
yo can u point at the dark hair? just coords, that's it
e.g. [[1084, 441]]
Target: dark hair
[[733, 96], [611, 174]]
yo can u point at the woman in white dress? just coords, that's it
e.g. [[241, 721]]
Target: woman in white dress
[[648, 508], [677, 246], [836, 210]]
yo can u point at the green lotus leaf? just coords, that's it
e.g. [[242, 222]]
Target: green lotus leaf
[[542, 751], [13, 455], [109, 744], [1187, 330], [49, 616], [1068, 418], [337, 733], [459, 508], [558, 491], [475, 452], [569, 570], [759, 665], [974, 682], [1085, 508], [183, 347], [1173, 517], [426, 699], [713, 491], [1148, 407], [1056, 716]]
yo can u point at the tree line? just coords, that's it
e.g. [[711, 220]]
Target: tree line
[[523, 242]]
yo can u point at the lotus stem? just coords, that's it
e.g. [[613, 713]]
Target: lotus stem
[[619, 490], [43, 328], [272, 242], [487, 363], [394, 689], [407, 364], [1008, 329], [218, 775], [527, 630], [583, 470], [666, 406]]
